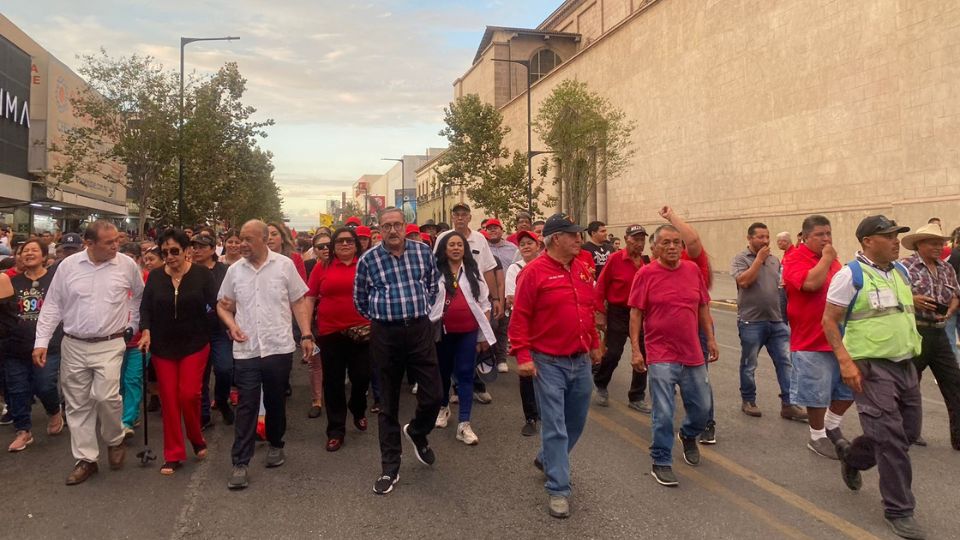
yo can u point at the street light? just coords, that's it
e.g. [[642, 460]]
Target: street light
[[526, 65], [184, 41]]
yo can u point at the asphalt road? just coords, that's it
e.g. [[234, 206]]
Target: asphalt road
[[759, 481]]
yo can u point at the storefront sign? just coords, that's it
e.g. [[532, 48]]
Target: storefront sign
[[14, 108]]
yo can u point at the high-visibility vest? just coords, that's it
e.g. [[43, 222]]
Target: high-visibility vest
[[873, 332]]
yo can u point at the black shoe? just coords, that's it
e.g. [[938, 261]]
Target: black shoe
[[385, 484], [851, 477], [906, 527], [6, 419], [709, 435], [538, 464], [315, 411], [420, 447], [227, 412], [375, 409], [691, 452], [664, 476], [154, 404], [529, 428]]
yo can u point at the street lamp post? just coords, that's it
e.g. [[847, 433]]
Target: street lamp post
[[526, 65], [184, 41]]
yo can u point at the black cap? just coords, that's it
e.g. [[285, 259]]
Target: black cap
[[460, 206], [636, 229], [71, 240], [204, 239], [560, 223], [879, 224]]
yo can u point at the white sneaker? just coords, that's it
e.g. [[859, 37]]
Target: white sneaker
[[502, 367], [442, 417], [483, 397], [465, 433]]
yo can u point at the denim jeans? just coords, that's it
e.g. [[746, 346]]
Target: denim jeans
[[131, 384], [24, 381], [221, 363], [457, 355], [775, 336], [563, 387], [706, 364], [694, 382]]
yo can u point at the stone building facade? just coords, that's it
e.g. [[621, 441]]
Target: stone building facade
[[752, 110]]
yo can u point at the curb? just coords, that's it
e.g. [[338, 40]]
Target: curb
[[725, 305]]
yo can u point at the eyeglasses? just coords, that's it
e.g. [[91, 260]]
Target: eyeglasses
[[398, 226], [345, 241], [173, 252], [324, 245]]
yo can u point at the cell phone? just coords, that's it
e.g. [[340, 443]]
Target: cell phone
[[941, 309], [316, 349]]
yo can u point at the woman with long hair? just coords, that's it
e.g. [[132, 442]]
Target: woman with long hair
[[176, 330], [24, 379], [280, 241], [321, 251], [231, 247], [462, 309], [343, 336]]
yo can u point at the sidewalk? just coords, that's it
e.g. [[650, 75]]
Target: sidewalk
[[724, 292]]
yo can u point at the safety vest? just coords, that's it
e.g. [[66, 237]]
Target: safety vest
[[875, 330]]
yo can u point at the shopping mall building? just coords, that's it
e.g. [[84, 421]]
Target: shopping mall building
[[35, 113], [749, 110]]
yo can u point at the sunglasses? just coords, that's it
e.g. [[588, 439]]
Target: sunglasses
[[324, 245], [173, 252], [345, 241]]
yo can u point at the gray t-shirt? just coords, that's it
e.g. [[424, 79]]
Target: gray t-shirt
[[760, 301]]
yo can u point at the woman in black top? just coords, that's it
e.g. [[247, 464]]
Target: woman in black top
[[176, 330], [24, 379]]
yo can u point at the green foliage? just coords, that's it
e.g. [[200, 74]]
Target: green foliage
[[590, 140]]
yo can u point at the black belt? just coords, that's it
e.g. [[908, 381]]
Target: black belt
[[928, 324], [96, 339], [401, 322]]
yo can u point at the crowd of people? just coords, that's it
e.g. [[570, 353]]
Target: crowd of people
[[99, 329]]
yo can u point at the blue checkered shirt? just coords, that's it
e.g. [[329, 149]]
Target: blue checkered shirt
[[389, 288]]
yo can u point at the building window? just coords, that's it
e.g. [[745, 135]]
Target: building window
[[542, 63]]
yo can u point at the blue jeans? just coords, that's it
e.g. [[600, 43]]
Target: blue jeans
[[24, 381], [220, 362], [775, 336], [457, 355], [694, 382], [706, 364], [563, 386], [131, 384]]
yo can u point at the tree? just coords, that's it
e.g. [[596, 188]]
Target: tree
[[476, 159], [589, 138]]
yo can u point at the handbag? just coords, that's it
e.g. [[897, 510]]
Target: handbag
[[358, 334]]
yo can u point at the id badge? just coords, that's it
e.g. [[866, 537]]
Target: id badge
[[884, 299]]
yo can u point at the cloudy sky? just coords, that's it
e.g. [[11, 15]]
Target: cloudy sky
[[347, 82]]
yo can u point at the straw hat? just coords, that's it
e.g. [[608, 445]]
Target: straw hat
[[927, 232]]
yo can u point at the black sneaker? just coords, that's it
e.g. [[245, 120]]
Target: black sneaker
[[906, 527], [6, 419], [385, 484], [538, 464], [420, 447], [851, 477], [691, 452], [709, 435], [227, 412], [664, 476], [529, 428]]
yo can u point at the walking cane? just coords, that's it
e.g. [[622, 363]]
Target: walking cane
[[146, 455]]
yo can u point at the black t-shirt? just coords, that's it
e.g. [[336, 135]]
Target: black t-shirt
[[219, 272], [179, 323], [600, 254], [29, 295]]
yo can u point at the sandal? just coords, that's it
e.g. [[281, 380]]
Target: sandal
[[201, 451], [169, 467]]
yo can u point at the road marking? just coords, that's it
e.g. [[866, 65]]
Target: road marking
[[787, 531], [791, 498]]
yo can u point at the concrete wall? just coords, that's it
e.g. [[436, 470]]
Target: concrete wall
[[756, 110]]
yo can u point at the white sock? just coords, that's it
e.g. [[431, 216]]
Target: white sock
[[831, 420], [818, 434]]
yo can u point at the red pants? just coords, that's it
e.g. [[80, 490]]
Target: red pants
[[179, 382]]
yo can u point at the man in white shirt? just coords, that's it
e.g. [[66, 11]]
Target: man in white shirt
[[255, 303], [97, 297]]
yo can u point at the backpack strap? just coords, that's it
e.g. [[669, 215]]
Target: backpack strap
[[903, 271], [856, 271]]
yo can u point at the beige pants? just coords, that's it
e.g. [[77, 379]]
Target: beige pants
[[90, 379]]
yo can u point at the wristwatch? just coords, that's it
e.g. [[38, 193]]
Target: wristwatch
[[306, 337]]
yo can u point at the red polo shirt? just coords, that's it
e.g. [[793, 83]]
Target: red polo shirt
[[805, 309], [553, 310], [333, 287], [614, 282]]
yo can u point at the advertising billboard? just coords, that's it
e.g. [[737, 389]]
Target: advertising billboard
[[14, 109], [406, 200]]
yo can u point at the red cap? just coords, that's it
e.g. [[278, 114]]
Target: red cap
[[528, 234], [363, 231], [426, 238], [353, 220], [412, 228], [494, 222], [485, 233]]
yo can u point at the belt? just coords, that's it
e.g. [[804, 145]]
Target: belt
[[927, 324], [118, 335], [401, 322]]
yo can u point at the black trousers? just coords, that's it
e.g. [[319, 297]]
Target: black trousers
[[937, 354], [271, 373], [618, 333], [890, 414], [528, 398], [341, 356], [398, 347]]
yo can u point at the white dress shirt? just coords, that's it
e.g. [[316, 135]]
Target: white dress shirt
[[263, 297], [91, 299]]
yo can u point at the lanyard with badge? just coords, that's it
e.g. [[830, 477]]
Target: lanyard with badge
[[885, 298]]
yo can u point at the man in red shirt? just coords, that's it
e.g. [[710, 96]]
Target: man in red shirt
[[816, 384], [557, 349], [613, 316], [670, 304]]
